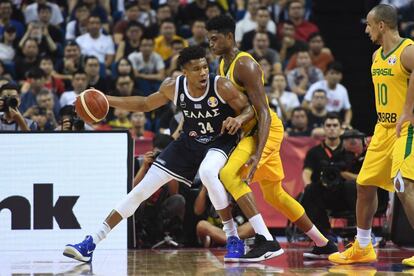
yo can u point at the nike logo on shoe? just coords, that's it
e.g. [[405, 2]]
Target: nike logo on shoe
[[89, 252], [267, 255]]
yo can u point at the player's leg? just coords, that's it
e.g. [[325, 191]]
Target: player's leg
[[278, 198], [375, 172], [207, 231], [153, 180], [403, 175], [231, 176], [209, 171]]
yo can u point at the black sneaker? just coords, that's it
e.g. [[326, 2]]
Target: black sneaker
[[262, 250], [321, 252]]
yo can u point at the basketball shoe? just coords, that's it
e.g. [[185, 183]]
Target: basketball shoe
[[81, 251], [354, 254], [235, 249], [262, 250], [408, 261], [321, 252]]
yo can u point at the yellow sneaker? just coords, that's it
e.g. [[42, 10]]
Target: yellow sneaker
[[354, 254], [408, 261]]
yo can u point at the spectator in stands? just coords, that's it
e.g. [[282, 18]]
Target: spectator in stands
[[96, 8], [147, 16], [3, 72], [124, 86], [137, 130], [120, 120], [261, 50], [8, 45], [94, 79], [163, 211], [36, 78], [131, 15], [95, 43], [212, 10], [317, 110], [338, 100], [199, 33], [320, 55], [45, 99], [36, 31], [298, 123], [31, 12], [304, 75], [163, 41], [296, 13], [27, 60], [262, 18], [249, 21], [11, 119], [53, 83], [163, 13], [209, 230], [124, 67], [195, 10], [267, 72], [406, 19], [323, 171], [282, 101], [39, 116], [79, 25], [71, 62], [288, 44], [133, 35], [148, 66], [6, 10], [79, 82], [171, 64], [45, 14]]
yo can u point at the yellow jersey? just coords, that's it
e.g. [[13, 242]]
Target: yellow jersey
[[390, 81], [230, 75]]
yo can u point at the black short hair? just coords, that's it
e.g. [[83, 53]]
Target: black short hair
[[41, 7], [319, 90], [130, 4], [332, 116], [313, 35], [46, 57], [334, 66], [78, 72], [386, 13], [190, 53], [298, 109], [223, 24], [135, 24], [87, 58], [35, 73], [9, 86]]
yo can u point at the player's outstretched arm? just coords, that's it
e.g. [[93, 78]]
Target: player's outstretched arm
[[249, 75], [145, 104], [407, 60], [238, 102]]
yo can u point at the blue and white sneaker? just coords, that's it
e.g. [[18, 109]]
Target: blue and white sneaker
[[81, 251], [235, 249]]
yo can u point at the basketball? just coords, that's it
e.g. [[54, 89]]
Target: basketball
[[91, 105]]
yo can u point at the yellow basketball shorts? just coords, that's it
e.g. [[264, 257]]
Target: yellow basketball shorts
[[386, 156]]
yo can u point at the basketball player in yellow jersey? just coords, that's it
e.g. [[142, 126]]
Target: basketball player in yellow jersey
[[389, 162], [256, 157]]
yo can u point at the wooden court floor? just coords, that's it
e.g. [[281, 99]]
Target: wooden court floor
[[193, 262]]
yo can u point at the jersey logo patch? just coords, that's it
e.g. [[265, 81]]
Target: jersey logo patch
[[198, 106], [182, 103], [212, 102], [392, 60], [192, 134]]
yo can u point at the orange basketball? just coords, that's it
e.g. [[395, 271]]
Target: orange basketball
[[91, 105]]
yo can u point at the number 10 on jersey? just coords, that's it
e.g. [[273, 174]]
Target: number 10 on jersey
[[382, 91]]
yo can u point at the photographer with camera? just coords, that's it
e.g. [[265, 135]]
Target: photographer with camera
[[10, 117], [69, 120], [327, 176]]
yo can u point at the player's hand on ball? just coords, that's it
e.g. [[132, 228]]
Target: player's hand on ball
[[232, 125]]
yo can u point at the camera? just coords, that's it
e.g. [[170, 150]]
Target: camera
[[67, 113], [8, 102], [331, 173]]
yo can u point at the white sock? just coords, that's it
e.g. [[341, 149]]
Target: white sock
[[317, 237], [230, 228], [259, 227], [363, 237], [101, 234]]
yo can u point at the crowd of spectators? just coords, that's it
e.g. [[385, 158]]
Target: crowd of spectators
[[50, 51]]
